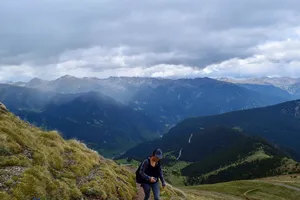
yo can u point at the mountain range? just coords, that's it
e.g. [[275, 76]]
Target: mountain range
[[169, 101], [115, 114], [123, 88], [183, 98]]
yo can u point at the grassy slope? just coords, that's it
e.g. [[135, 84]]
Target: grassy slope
[[173, 173], [279, 123], [239, 168], [36, 163], [42, 164], [272, 188]]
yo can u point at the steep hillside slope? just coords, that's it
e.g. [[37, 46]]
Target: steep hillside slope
[[280, 124], [270, 90], [41, 164]]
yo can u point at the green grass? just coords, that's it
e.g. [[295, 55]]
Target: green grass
[[41, 163], [294, 184], [132, 163], [258, 189], [173, 172], [258, 155]]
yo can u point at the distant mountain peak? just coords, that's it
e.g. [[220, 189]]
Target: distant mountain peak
[[36, 80], [91, 78], [67, 76], [36, 83]]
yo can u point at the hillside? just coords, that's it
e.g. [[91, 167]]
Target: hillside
[[278, 124], [217, 155], [104, 124], [279, 187], [270, 90], [36, 163]]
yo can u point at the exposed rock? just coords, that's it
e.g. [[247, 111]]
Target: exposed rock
[[3, 108], [28, 154], [7, 174]]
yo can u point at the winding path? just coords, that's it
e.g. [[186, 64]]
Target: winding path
[[213, 195], [140, 192], [190, 139], [287, 186], [180, 152]]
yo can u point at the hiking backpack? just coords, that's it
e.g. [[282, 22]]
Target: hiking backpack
[[138, 177]]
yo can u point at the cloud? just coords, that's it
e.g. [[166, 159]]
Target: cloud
[[280, 58], [169, 38]]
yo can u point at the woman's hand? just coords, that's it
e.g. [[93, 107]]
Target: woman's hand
[[152, 180]]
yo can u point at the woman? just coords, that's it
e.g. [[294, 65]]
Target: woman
[[150, 170]]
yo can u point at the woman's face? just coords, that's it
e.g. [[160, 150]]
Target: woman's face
[[155, 159]]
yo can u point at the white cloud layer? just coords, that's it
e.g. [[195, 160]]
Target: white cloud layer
[[169, 38]]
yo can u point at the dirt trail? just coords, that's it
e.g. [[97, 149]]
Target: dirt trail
[[252, 190], [140, 192], [281, 183], [288, 186], [213, 195]]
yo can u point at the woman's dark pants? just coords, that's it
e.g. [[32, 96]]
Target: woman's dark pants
[[155, 189]]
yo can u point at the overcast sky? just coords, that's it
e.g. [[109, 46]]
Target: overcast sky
[[155, 38]]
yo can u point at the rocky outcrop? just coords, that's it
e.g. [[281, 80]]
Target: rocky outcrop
[[3, 108]]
